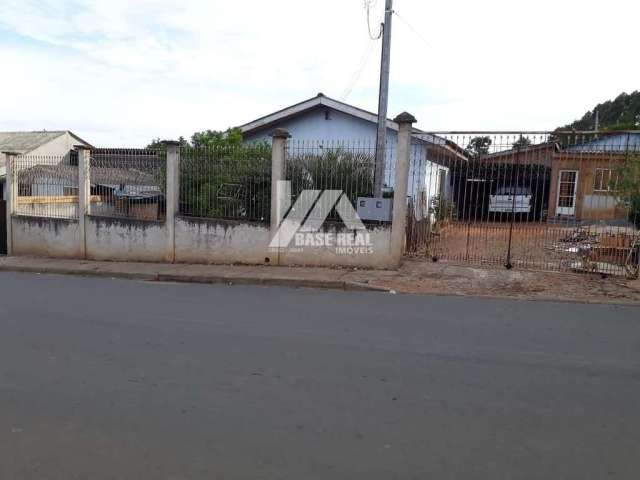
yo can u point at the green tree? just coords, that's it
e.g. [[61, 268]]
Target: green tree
[[522, 142], [157, 143], [622, 113], [478, 146], [216, 138]]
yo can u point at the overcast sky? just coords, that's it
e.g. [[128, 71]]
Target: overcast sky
[[122, 72]]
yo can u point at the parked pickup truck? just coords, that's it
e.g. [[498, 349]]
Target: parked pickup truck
[[511, 200]]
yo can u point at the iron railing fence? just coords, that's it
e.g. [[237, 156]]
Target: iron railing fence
[[565, 201], [345, 166], [47, 186], [226, 182], [128, 183]]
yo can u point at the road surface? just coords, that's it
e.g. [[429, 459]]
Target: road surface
[[114, 379]]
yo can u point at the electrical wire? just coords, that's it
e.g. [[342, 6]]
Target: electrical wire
[[414, 30], [362, 65], [368, 4]]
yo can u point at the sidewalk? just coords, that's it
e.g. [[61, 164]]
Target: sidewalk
[[417, 276]]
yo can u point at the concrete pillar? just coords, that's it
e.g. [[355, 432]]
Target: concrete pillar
[[84, 194], [405, 123], [278, 155], [11, 185], [172, 198]]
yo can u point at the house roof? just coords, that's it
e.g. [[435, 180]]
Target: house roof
[[533, 148], [321, 100], [614, 142], [25, 142]]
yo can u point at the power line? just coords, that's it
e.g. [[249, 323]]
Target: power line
[[414, 30], [367, 5], [355, 77]]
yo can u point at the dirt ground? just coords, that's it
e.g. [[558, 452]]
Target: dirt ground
[[538, 246], [446, 278]]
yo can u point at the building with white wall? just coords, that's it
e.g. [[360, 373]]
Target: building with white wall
[[323, 119], [49, 146]]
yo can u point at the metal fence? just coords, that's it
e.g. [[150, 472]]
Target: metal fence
[[47, 186], [561, 201], [128, 183], [226, 182], [331, 165]]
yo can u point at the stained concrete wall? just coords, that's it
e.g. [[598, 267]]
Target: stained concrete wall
[[199, 240], [46, 237], [196, 241], [122, 239], [375, 255]]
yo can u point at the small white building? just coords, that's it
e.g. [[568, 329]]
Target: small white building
[[48, 146], [330, 122]]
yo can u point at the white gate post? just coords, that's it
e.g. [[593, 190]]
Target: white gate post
[[84, 194], [278, 155], [11, 184], [405, 123], [172, 197]]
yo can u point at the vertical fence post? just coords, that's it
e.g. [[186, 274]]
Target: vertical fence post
[[172, 197], [398, 226], [278, 153], [84, 194], [11, 184]]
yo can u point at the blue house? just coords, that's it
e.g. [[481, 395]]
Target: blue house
[[329, 123]]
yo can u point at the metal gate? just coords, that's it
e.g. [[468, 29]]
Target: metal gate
[[3, 227], [561, 201]]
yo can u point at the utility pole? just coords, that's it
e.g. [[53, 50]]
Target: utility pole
[[383, 100]]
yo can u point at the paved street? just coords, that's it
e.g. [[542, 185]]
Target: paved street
[[116, 379]]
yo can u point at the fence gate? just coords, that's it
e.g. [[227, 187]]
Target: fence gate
[[3, 227], [530, 200]]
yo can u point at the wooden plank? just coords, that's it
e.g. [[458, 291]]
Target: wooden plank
[[54, 199]]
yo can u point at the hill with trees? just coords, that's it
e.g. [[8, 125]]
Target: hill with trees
[[622, 113]]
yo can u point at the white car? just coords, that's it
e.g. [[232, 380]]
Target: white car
[[511, 200]]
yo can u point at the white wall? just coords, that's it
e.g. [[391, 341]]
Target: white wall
[[200, 240], [196, 241], [46, 237], [125, 239]]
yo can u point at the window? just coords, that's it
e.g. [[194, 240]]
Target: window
[[605, 180]]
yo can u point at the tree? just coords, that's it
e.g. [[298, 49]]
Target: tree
[[157, 144], [622, 113], [522, 142], [478, 146], [216, 138]]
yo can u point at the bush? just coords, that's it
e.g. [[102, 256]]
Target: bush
[[228, 182], [627, 184], [442, 209]]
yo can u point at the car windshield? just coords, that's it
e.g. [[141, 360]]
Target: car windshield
[[513, 190]]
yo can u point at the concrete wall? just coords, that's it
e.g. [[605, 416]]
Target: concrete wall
[[196, 241], [121, 239], [377, 255], [46, 237], [200, 240]]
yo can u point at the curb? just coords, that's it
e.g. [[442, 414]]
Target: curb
[[201, 279]]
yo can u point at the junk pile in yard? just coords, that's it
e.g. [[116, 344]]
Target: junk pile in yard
[[602, 249]]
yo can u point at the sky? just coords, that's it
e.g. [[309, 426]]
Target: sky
[[123, 72]]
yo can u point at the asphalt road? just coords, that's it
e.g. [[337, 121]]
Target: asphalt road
[[112, 379]]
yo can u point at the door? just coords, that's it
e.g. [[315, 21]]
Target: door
[[567, 190]]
